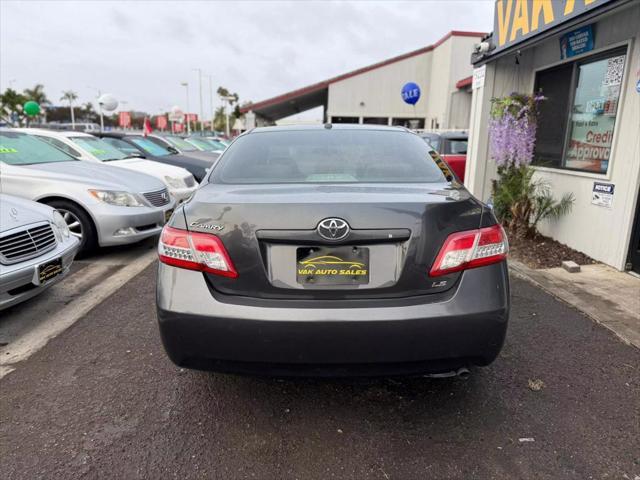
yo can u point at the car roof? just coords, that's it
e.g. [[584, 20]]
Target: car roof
[[455, 135], [323, 126], [52, 133], [118, 134]]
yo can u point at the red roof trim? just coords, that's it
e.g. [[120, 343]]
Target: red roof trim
[[324, 84], [465, 82]]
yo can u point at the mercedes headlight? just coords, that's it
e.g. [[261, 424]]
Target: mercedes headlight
[[119, 199], [174, 182], [61, 225]]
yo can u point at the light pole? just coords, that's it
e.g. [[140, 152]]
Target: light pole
[[200, 86], [186, 86], [213, 112]]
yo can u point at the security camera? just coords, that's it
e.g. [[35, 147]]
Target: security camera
[[482, 47]]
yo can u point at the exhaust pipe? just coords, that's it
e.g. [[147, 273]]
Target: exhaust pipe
[[462, 372]]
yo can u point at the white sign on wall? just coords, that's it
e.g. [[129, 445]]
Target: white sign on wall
[[602, 194], [478, 77]]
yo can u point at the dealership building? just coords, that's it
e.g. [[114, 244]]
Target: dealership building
[[373, 94], [584, 56]]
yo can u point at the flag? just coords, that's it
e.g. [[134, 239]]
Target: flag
[[146, 128], [161, 122], [124, 119]]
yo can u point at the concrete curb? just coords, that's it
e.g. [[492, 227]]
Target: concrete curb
[[598, 309]]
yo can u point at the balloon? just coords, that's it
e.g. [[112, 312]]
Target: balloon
[[410, 93], [31, 108], [108, 102]]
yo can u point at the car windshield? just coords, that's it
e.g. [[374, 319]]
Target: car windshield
[[205, 144], [150, 147], [21, 149], [181, 144], [328, 156], [456, 147], [99, 148]]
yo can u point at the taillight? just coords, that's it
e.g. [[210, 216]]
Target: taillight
[[471, 249], [195, 251]]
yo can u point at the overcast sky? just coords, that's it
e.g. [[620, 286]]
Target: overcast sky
[[142, 51]]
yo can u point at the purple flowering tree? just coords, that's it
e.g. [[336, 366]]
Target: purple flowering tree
[[520, 202], [512, 129]]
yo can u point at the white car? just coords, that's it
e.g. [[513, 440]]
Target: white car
[[84, 146]]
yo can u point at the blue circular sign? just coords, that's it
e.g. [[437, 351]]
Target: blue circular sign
[[411, 93]]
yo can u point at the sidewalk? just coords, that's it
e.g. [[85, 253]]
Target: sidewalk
[[610, 297]]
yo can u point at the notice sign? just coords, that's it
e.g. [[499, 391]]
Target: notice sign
[[478, 77], [576, 42], [602, 194]]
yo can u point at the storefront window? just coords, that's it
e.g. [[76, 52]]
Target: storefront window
[[582, 139]]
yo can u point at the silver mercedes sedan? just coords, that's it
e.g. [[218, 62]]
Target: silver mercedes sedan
[[36, 249], [102, 205]]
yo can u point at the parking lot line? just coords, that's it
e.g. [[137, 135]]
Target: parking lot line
[[25, 346]]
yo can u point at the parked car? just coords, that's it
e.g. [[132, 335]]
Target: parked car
[[179, 145], [102, 205], [452, 146], [206, 144], [180, 183], [138, 145], [332, 250], [36, 249]]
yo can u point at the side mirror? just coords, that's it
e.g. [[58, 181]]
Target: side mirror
[[173, 149]]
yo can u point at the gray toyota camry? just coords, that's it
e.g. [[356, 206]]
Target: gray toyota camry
[[332, 250]]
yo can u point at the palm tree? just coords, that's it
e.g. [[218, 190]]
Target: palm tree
[[70, 96], [37, 95]]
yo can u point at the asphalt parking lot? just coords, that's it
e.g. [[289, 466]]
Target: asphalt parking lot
[[101, 400]]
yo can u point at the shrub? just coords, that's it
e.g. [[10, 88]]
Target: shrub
[[520, 202]]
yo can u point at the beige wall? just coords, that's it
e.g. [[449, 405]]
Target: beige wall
[[599, 232], [436, 72], [379, 90]]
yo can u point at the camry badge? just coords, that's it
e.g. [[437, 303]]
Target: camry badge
[[333, 228]]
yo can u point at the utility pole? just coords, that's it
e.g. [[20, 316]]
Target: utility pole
[[200, 85], [213, 112], [186, 86]]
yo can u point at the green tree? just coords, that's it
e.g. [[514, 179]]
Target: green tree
[[70, 96], [36, 94], [11, 104]]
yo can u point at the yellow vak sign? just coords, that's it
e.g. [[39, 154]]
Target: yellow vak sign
[[331, 265], [516, 19]]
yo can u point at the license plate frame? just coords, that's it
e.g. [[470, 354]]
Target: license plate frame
[[327, 266], [49, 270]]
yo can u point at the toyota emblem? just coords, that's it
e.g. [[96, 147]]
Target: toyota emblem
[[333, 229]]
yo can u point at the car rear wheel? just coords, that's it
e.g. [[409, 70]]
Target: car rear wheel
[[79, 223]]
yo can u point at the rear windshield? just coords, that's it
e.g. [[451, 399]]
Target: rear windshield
[[455, 147], [21, 149], [328, 156]]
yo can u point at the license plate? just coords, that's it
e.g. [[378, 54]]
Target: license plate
[[327, 266], [48, 270], [167, 215]]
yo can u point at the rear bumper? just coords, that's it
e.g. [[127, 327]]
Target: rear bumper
[[199, 331]]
